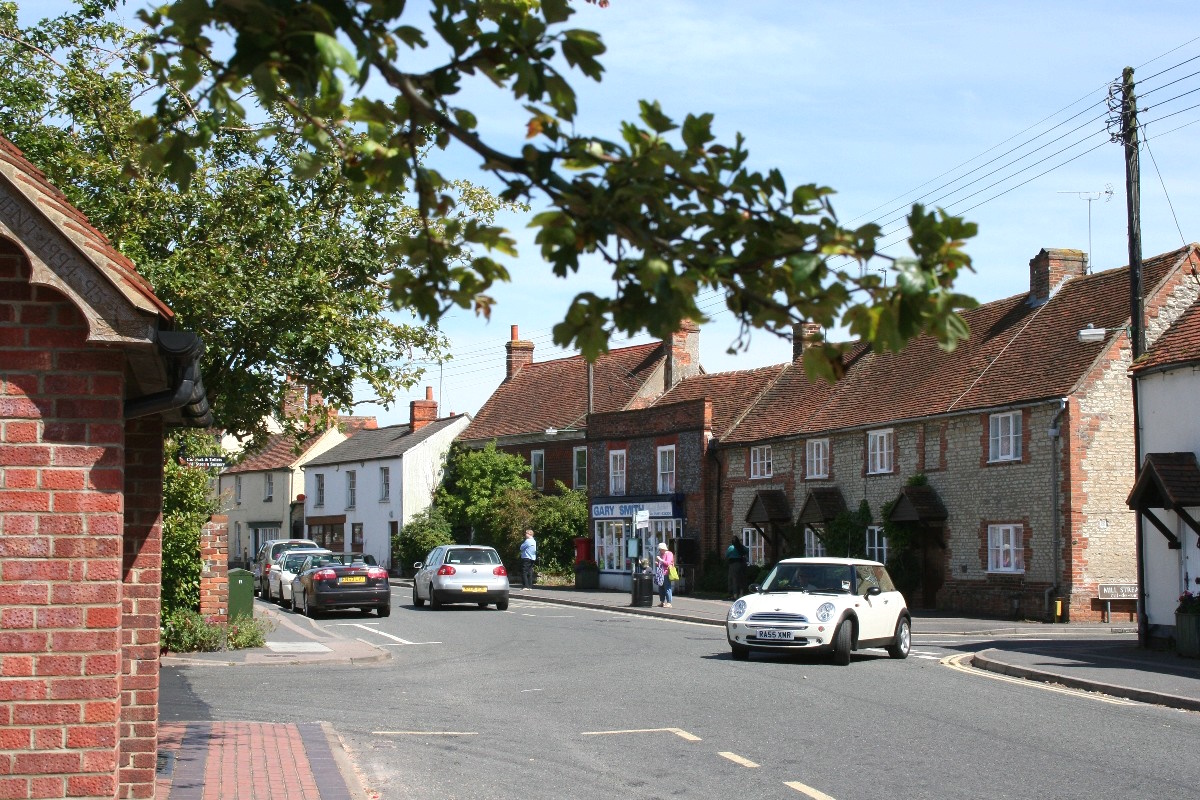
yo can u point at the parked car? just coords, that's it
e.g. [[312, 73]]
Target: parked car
[[267, 555], [834, 604], [279, 579], [341, 580], [459, 573]]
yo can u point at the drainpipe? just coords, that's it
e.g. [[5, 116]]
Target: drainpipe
[[180, 347], [1056, 526]]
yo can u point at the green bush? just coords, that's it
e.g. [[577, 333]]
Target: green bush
[[425, 531], [185, 631]]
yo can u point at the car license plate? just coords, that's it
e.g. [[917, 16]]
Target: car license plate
[[354, 579], [474, 588], [771, 633]]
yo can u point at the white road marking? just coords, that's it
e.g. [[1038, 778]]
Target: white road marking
[[955, 663], [735, 758], [677, 731], [386, 635], [815, 794]]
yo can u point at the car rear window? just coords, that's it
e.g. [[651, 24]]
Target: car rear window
[[473, 556]]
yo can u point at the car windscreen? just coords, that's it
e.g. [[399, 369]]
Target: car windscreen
[[838, 578], [475, 555], [349, 559], [294, 562]]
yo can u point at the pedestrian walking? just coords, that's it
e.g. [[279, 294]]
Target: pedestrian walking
[[736, 555], [665, 562], [528, 559]]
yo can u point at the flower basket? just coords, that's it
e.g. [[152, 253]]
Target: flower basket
[[587, 576]]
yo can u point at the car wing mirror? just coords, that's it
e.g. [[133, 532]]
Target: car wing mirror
[[874, 591], [418, 564], [755, 588]]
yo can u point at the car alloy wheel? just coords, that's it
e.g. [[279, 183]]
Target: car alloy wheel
[[902, 644]]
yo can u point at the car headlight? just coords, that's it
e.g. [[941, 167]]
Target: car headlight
[[825, 611], [737, 609]]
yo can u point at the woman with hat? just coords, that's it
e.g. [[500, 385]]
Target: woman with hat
[[665, 561]]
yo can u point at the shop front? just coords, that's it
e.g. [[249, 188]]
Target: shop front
[[622, 546]]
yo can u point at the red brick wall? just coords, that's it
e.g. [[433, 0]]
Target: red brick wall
[[141, 579], [214, 571], [62, 456]]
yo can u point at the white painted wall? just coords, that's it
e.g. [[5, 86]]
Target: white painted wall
[[1170, 423]]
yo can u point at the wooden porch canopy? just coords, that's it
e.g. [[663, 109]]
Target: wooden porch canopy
[[822, 506], [769, 506], [918, 504], [1170, 481]]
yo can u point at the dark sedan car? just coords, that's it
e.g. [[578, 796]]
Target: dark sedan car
[[341, 580]]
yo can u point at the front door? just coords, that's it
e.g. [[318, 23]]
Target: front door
[[933, 566]]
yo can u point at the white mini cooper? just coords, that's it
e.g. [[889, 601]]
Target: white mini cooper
[[837, 604]]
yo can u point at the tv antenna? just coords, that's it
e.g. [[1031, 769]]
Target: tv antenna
[[1107, 194]]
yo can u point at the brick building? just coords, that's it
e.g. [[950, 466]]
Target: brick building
[[1005, 463], [659, 460], [540, 411], [91, 373]]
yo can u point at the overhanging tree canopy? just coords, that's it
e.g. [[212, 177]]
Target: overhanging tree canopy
[[670, 210]]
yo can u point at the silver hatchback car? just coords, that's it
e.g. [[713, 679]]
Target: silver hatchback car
[[461, 573]]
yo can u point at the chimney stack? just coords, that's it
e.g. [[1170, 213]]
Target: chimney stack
[[683, 354], [423, 412], [520, 355], [803, 335], [1050, 269]]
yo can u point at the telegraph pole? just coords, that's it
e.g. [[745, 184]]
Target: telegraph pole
[[1133, 204], [1137, 332]]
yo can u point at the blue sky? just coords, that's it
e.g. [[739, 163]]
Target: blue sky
[[886, 102]]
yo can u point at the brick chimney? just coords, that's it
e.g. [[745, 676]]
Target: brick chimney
[[520, 355], [683, 354], [803, 335], [1050, 269], [423, 412]]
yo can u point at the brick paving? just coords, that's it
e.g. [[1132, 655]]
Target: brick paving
[[249, 761]]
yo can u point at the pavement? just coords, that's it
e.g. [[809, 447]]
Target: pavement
[[221, 760]]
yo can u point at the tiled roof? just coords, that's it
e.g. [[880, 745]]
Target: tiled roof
[[1016, 353], [731, 393], [1167, 480], [111, 263], [280, 451], [1179, 344], [370, 444], [553, 394]]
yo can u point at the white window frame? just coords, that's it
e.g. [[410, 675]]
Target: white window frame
[[616, 472], [666, 469], [610, 544], [880, 445], [537, 469], [385, 484], [579, 468], [816, 458], [814, 546], [268, 487], [319, 499], [351, 488], [756, 546], [1006, 548], [1004, 437], [877, 544], [760, 462]]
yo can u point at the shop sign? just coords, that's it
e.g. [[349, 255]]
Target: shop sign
[[655, 509]]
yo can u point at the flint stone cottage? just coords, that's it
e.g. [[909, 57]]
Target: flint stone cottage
[[92, 372], [1007, 463]]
